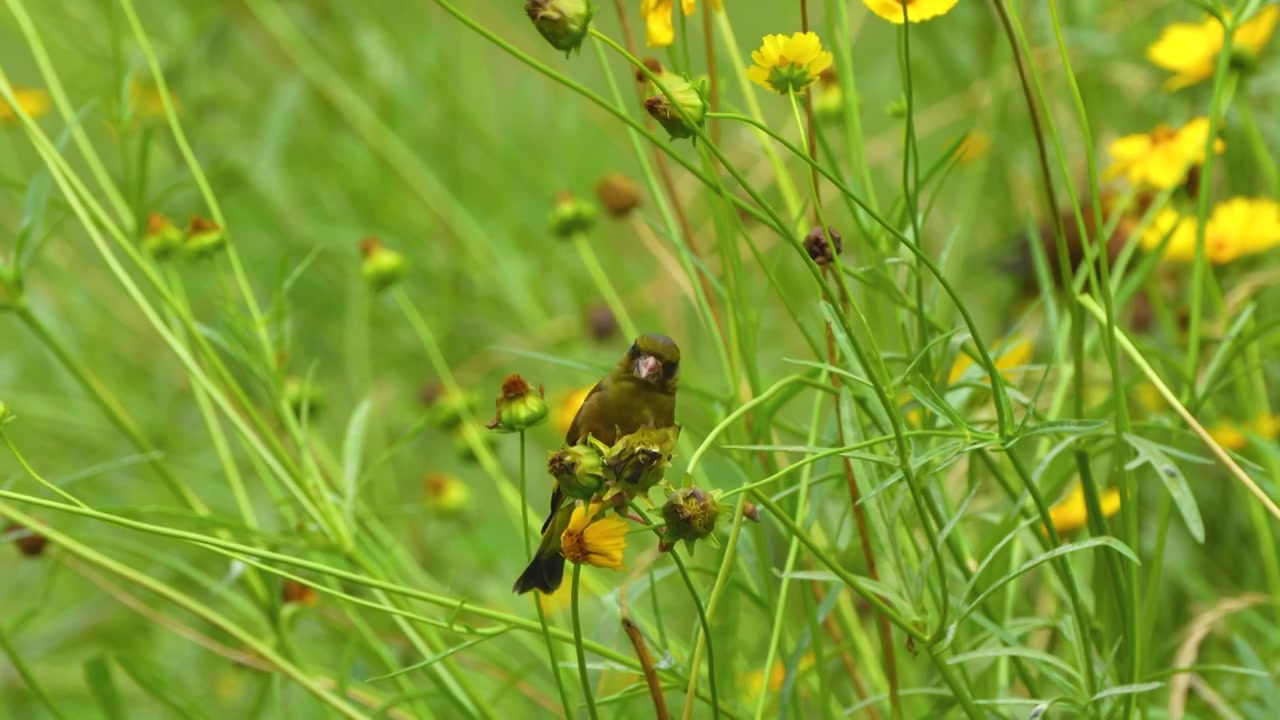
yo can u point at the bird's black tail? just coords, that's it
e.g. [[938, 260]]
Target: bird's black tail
[[544, 574]]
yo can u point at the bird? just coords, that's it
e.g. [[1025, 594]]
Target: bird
[[640, 392]]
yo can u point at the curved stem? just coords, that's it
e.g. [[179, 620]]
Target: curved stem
[[605, 286], [578, 647]]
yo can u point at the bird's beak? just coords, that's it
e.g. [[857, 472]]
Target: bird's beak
[[647, 366]]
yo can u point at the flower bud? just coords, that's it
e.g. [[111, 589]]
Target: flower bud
[[690, 514], [28, 542], [897, 108], [828, 101], [445, 494], [638, 461], [618, 195], [751, 511], [578, 470], [601, 323], [297, 593], [302, 397], [686, 96], [571, 216], [204, 238], [161, 238], [815, 243], [382, 266], [518, 407], [563, 23]]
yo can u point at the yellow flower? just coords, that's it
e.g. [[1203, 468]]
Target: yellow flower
[[1161, 158], [147, 102], [917, 10], [1190, 50], [563, 413], [1015, 355], [974, 145], [1240, 227], [33, 102], [789, 64], [1235, 436], [755, 680], [594, 542], [1071, 513], [658, 28], [1181, 232], [1237, 228]]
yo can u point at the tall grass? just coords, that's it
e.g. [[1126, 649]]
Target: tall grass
[[207, 442]]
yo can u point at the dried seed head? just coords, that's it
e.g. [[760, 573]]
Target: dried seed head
[[815, 243], [618, 195]]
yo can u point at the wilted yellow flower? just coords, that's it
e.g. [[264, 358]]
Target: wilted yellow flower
[[33, 102], [565, 410], [1161, 158], [787, 64], [1190, 50], [598, 542], [1071, 512], [917, 10], [659, 31], [1234, 436], [1237, 228]]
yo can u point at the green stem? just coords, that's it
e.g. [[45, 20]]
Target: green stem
[[587, 694], [601, 280], [30, 678], [704, 642]]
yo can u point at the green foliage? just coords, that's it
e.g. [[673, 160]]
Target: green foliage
[[257, 483]]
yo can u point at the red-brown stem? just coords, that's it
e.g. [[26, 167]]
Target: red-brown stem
[[860, 519], [837, 637], [646, 664], [664, 172]]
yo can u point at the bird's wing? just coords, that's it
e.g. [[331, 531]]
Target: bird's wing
[[577, 433]]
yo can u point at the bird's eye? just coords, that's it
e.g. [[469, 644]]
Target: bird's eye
[[634, 352], [669, 369]]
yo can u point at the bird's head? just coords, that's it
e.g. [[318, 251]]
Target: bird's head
[[653, 359]]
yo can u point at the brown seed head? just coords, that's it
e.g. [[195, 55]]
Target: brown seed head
[[30, 543], [618, 194], [601, 323], [369, 245], [815, 243]]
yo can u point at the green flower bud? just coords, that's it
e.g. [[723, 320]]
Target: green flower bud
[[897, 108], [578, 470], [828, 102], [563, 23], [382, 266], [446, 409], [638, 461], [303, 397], [204, 238], [690, 514], [518, 407], [445, 494], [686, 96], [571, 216], [161, 238]]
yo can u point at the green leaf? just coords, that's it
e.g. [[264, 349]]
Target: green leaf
[[1150, 453], [1135, 689], [1060, 551], [352, 449], [440, 656], [162, 689], [97, 673]]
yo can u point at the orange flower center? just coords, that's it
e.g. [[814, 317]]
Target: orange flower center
[[573, 546], [1163, 134]]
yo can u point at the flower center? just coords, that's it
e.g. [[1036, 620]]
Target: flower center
[[1163, 134], [573, 546]]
